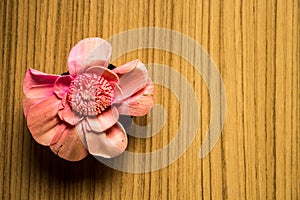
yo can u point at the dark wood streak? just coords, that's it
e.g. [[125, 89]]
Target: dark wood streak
[[255, 101], [8, 95], [243, 99], [274, 102], [3, 98], [209, 49], [201, 104], [221, 60], [265, 115], [13, 96], [296, 105]]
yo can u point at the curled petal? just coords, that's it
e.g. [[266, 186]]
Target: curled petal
[[140, 103], [42, 120], [68, 115], [61, 85], [36, 78], [69, 145], [134, 80], [123, 69], [108, 144], [88, 52], [108, 74], [103, 121], [118, 94], [64, 102], [36, 87]]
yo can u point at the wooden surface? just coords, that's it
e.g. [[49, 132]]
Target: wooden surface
[[255, 45]]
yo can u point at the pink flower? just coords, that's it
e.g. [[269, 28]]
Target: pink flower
[[78, 114]]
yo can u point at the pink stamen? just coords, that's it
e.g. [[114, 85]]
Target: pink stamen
[[90, 94]]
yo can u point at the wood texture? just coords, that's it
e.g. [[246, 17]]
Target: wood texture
[[255, 45]]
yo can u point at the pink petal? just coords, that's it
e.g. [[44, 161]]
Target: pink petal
[[118, 94], [108, 144], [34, 78], [106, 73], [64, 102], [69, 145], [61, 85], [39, 91], [36, 87], [36, 94], [68, 115], [42, 120], [140, 103], [134, 80], [80, 131], [103, 121], [88, 52], [27, 103], [58, 133], [123, 69]]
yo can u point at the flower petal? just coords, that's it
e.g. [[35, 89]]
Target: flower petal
[[140, 103], [36, 94], [106, 73], [64, 102], [80, 131], [108, 144], [35, 77], [27, 103], [68, 115], [42, 120], [69, 145], [61, 85], [134, 80], [103, 121], [88, 52], [39, 91], [123, 69], [118, 94], [58, 133]]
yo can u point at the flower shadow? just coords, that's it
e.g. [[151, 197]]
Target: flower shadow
[[48, 166]]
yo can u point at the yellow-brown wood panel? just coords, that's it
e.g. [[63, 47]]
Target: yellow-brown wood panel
[[255, 45]]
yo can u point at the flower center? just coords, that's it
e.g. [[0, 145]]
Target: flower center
[[90, 94]]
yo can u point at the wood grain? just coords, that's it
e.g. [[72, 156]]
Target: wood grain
[[255, 45]]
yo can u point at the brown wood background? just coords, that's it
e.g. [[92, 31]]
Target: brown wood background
[[255, 45]]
